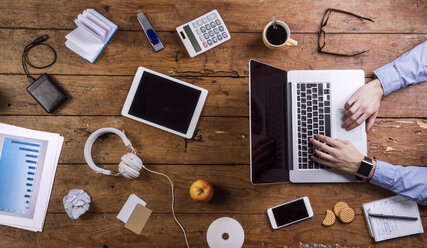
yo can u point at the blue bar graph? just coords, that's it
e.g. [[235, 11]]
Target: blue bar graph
[[18, 170]]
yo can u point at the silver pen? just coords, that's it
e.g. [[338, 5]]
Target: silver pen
[[393, 216]]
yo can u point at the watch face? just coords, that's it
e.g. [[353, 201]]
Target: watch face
[[364, 169]]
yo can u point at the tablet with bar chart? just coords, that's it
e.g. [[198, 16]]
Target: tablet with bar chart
[[21, 166]]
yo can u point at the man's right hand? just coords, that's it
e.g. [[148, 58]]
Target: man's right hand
[[363, 105]]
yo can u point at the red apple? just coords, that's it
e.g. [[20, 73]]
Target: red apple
[[201, 191]]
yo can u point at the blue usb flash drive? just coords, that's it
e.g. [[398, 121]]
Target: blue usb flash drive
[[149, 32]]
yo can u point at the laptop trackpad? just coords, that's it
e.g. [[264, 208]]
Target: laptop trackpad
[[340, 133]]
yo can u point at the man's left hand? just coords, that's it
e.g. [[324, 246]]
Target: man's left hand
[[337, 154]]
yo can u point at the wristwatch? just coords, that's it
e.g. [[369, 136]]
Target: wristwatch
[[365, 168]]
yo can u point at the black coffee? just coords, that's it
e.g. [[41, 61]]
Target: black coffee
[[276, 36]]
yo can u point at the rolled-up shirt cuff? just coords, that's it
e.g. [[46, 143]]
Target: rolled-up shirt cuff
[[389, 78], [384, 175]]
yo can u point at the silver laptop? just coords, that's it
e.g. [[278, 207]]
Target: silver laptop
[[286, 109]]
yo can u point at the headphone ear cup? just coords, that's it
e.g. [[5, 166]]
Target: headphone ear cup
[[133, 161], [127, 171]]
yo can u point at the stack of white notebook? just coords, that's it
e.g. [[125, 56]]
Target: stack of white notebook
[[91, 35], [28, 162], [388, 228]]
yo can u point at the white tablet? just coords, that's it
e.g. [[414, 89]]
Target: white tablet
[[164, 102]]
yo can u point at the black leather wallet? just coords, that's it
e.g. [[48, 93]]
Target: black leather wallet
[[47, 93]]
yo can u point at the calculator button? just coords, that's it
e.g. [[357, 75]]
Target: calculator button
[[202, 38], [213, 24], [205, 44], [206, 35], [198, 31], [221, 28], [211, 33], [219, 37], [212, 16], [199, 23], [210, 43], [215, 40], [224, 35], [204, 20], [208, 26], [218, 22], [195, 24], [216, 31], [203, 29]]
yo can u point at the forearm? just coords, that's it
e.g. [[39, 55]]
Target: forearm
[[410, 68], [408, 181]]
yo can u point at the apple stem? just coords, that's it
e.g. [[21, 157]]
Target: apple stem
[[201, 191]]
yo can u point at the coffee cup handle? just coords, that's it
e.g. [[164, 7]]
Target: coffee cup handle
[[291, 43]]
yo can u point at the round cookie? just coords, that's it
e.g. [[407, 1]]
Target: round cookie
[[338, 207], [347, 215], [329, 218]]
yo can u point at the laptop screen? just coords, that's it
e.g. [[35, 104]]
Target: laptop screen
[[268, 108]]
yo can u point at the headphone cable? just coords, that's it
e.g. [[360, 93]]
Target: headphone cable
[[173, 201]]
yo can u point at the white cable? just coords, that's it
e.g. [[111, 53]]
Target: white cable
[[173, 201]]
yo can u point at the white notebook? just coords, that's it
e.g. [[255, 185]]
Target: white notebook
[[91, 35], [388, 228]]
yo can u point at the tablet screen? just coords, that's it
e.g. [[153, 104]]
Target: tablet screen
[[164, 102]]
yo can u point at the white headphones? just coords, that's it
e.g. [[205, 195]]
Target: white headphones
[[130, 165]]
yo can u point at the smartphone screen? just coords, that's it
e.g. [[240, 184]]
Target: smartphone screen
[[291, 212]]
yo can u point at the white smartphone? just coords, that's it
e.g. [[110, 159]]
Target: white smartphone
[[290, 212]]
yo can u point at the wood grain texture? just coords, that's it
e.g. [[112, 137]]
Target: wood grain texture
[[219, 151], [105, 95], [233, 191], [127, 50], [104, 230], [302, 16], [218, 140]]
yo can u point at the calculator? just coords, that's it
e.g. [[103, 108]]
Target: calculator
[[203, 33]]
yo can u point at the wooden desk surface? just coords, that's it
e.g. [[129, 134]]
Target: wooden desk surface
[[219, 151]]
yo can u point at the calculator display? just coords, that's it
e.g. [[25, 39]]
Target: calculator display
[[193, 40]]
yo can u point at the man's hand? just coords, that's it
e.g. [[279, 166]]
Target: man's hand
[[363, 105], [337, 154]]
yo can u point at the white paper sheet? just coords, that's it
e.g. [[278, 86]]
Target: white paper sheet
[[50, 161], [129, 206]]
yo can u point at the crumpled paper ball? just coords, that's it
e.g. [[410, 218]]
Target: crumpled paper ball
[[76, 203]]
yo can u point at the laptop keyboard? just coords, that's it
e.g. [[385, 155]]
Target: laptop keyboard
[[314, 117]]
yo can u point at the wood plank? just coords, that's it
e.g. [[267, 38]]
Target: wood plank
[[218, 140], [239, 16], [91, 95], [412, 98], [104, 230], [128, 50], [232, 186], [389, 138]]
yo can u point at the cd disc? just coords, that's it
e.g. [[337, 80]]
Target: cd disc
[[225, 232]]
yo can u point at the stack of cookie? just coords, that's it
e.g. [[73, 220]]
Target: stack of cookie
[[342, 211]]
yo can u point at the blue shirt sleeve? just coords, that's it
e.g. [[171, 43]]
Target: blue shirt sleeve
[[410, 181], [410, 68]]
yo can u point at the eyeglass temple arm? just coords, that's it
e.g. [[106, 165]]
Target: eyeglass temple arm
[[349, 13]]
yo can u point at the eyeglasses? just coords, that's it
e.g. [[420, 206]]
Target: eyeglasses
[[321, 42]]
